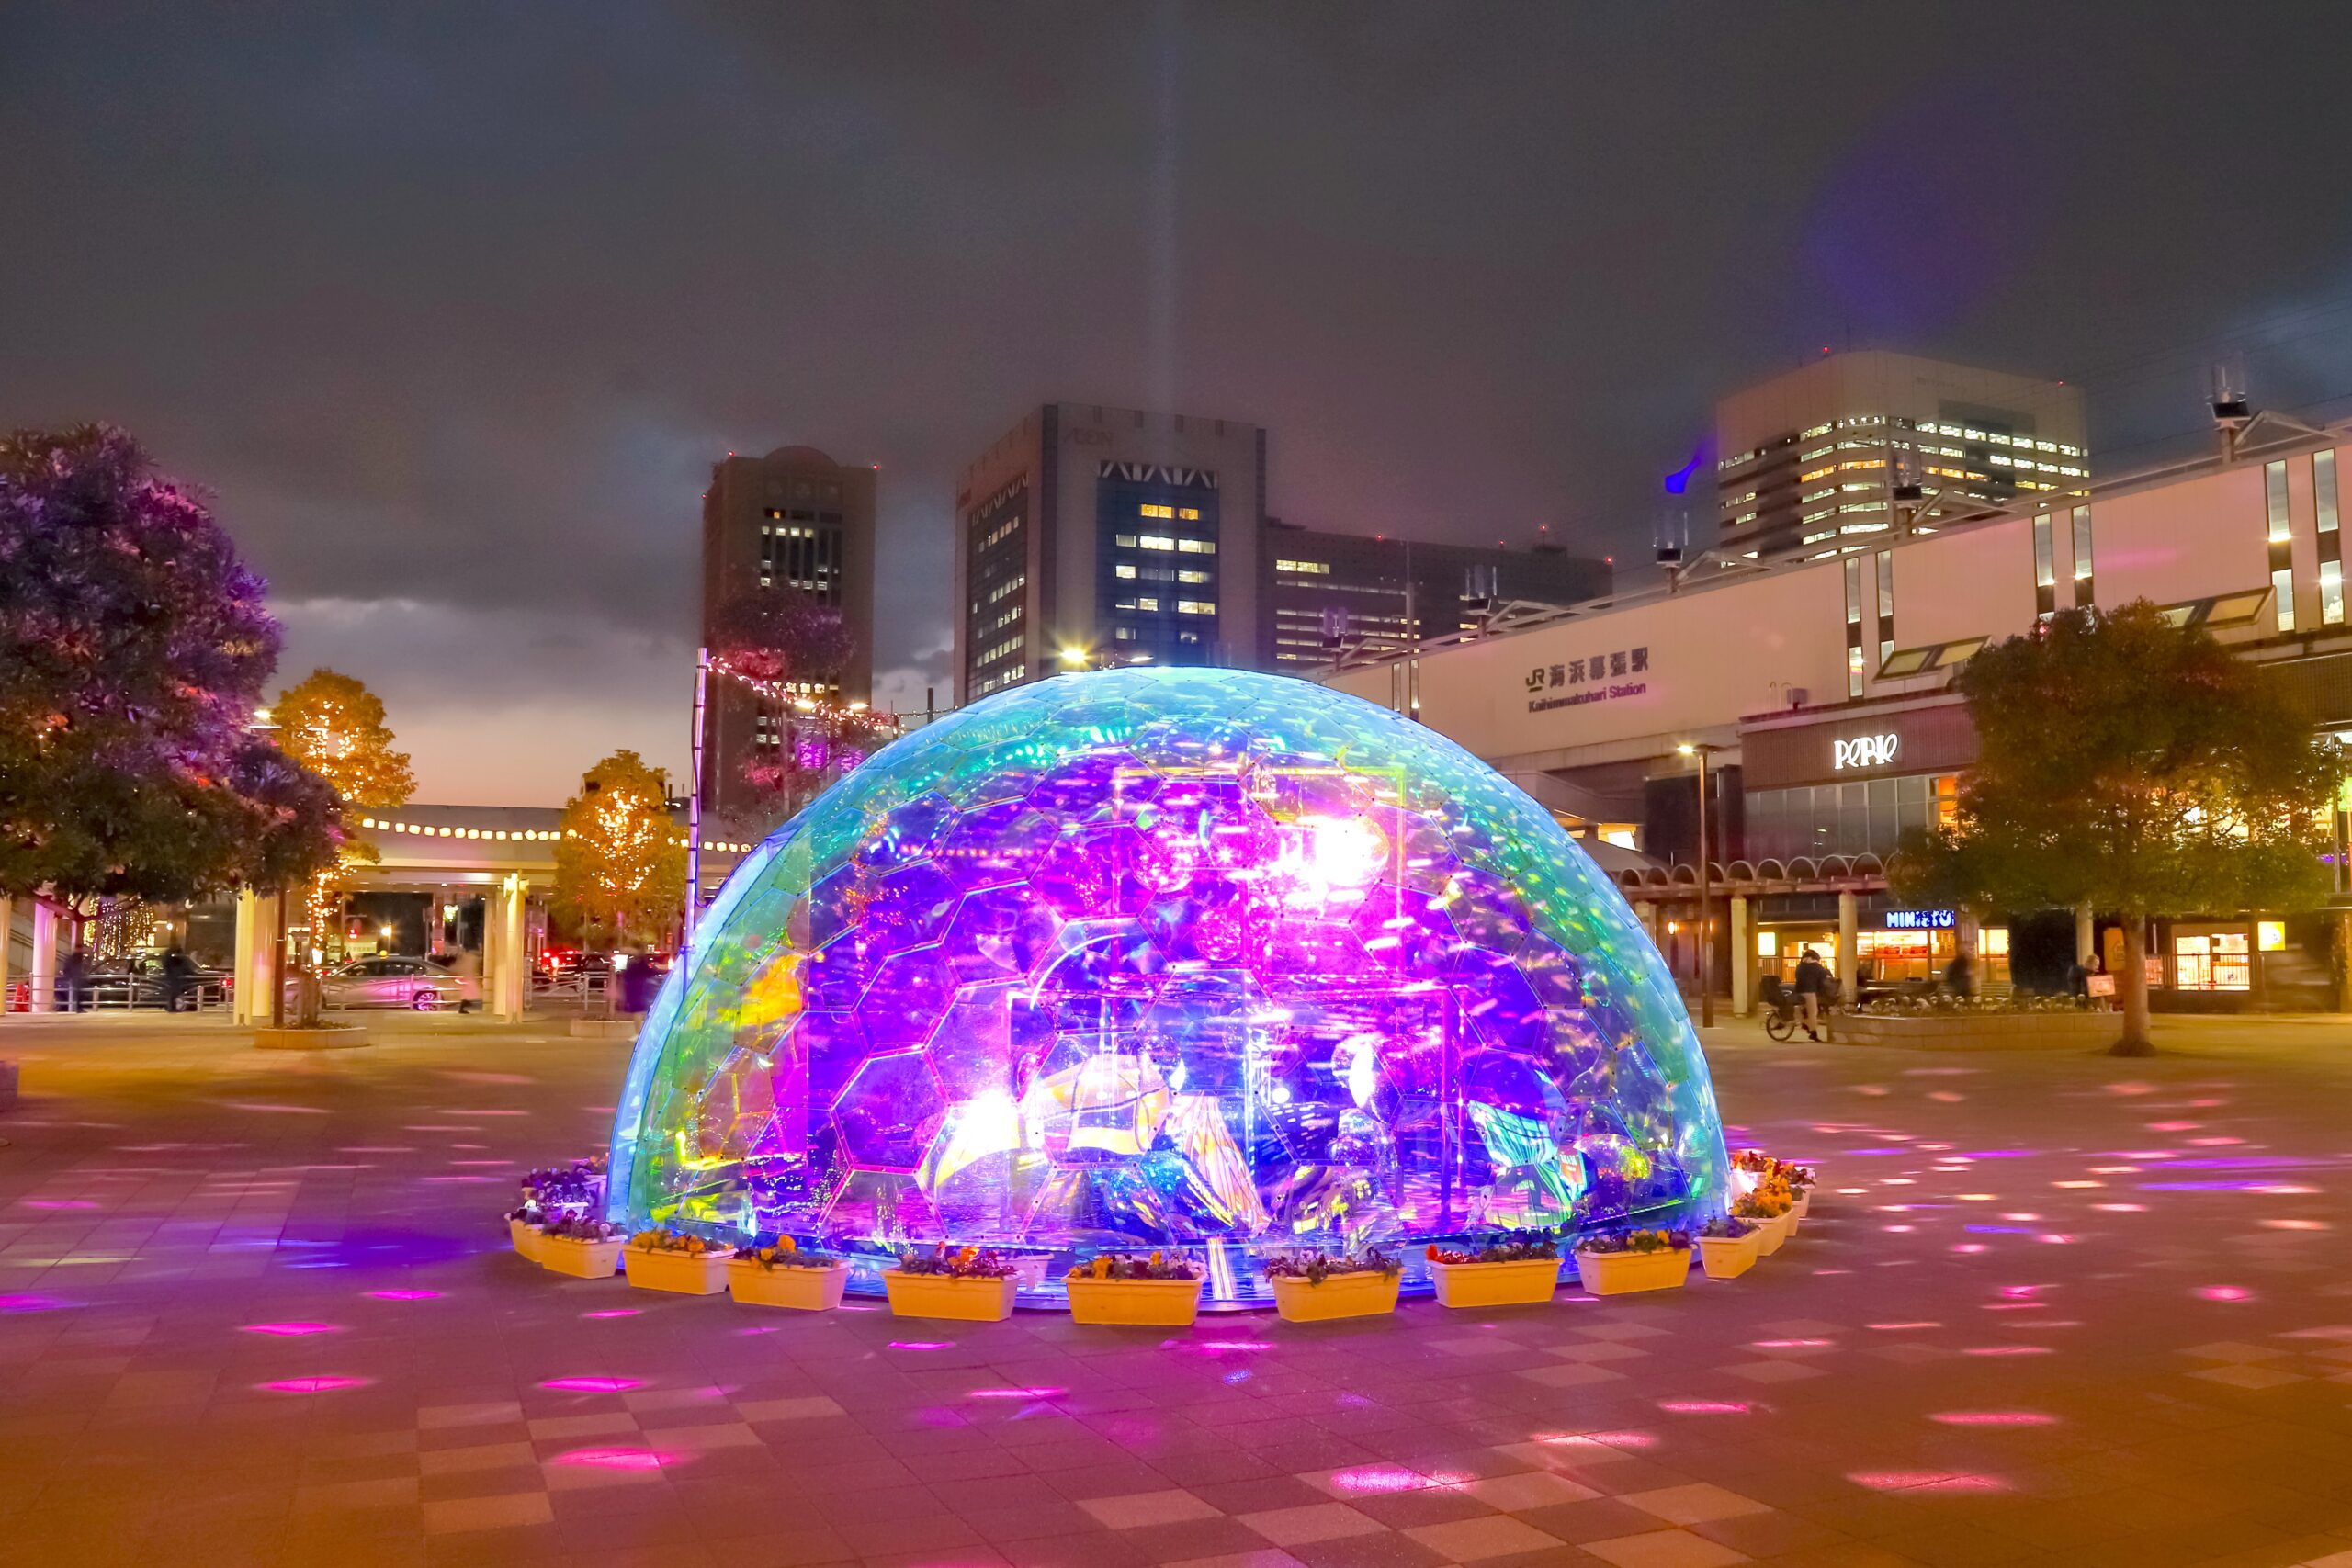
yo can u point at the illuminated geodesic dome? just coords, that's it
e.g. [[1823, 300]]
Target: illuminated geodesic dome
[[1157, 956]]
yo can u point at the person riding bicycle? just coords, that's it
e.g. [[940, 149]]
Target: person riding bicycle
[[1813, 981]]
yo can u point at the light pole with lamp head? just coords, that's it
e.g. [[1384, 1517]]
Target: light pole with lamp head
[[1701, 749]]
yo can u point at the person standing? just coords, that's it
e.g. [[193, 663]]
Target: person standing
[[73, 979], [178, 974], [467, 967], [1960, 975], [1812, 981]]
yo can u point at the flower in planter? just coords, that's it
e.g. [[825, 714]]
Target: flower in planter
[[1512, 1247], [1767, 1203], [580, 1227], [674, 1241], [528, 1214], [961, 1262], [1124, 1266], [1643, 1241], [1727, 1227], [1768, 1169], [786, 1253], [1317, 1265]]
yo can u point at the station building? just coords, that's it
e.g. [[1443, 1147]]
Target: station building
[[1819, 686]]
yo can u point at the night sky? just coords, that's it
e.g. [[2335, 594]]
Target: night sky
[[451, 308]]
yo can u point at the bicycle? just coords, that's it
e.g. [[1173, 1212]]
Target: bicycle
[[1786, 1014]]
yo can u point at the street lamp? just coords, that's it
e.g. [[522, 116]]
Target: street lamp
[[1075, 657], [1701, 749]]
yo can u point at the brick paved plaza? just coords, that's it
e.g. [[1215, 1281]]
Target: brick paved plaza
[[2059, 1310]]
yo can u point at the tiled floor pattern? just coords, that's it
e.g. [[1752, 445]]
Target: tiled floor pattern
[[2050, 1311]]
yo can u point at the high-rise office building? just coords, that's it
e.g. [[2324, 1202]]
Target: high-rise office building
[[793, 519], [1100, 535], [1323, 594], [1810, 462]]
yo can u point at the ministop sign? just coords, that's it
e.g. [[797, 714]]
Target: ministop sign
[[1921, 920]]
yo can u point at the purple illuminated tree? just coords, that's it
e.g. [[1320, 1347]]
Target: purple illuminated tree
[[133, 649]]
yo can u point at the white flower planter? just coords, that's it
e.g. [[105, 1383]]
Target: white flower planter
[[1729, 1257]]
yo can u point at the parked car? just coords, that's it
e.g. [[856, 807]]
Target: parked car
[[389, 982]]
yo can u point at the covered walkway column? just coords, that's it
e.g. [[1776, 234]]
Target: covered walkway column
[[44, 974], [502, 961], [1743, 958], [2084, 946], [256, 933], [7, 944], [1847, 945]]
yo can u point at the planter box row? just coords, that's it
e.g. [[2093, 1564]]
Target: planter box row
[[1159, 1304], [1981, 1031]]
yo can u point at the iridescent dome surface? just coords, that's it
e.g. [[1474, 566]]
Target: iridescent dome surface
[[1166, 957]]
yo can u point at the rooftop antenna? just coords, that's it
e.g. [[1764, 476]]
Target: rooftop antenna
[[1479, 593], [2231, 414], [1905, 493], [1335, 631], [1671, 533]]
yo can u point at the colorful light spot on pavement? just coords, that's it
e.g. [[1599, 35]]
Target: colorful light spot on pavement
[[291, 1330], [1703, 1407], [2223, 1294], [619, 1459], [1016, 1393], [404, 1295], [1926, 1481], [1992, 1418], [615, 1312], [594, 1385], [922, 1343], [314, 1385]]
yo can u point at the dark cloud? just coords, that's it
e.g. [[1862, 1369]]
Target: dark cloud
[[455, 305]]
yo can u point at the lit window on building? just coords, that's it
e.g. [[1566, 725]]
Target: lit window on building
[[2081, 556], [2331, 539], [2282, 541], [2045, 570], [1150, 511], [1195, 607]]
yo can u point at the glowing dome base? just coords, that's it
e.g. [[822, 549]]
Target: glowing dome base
[[1166, 958]]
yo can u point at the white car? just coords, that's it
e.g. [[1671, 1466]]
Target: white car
[[391, 982]]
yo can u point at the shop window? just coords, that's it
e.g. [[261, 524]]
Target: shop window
[[2211, 961], [1993, 957], [1947, 790]]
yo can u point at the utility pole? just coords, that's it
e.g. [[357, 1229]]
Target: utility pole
[[694, 801], [1706, 900]]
